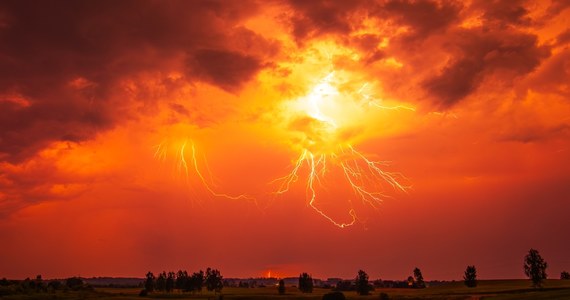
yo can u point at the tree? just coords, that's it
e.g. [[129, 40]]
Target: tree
[[4, 282], [565, 275], [181, 279], [362, 283], [161, 282], [74, 283], [470, 276], [26, 285], [169, 286], [39, 284], [305, 283], [195, 282], [344, 285], [214, 280], [281, 287], [149, 282], [411, 281], [535, 267], [419, 278]]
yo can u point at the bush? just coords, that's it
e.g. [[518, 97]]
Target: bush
[[55, 285], [74, 283], [384, 296], [143, 293], [345, 285], [334, 296], [281, 287], [7, 291]]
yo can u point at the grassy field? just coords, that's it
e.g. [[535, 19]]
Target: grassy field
[[493, 289]]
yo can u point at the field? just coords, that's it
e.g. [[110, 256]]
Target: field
[[491, 289]]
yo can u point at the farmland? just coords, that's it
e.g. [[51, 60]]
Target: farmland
[[486, 289]]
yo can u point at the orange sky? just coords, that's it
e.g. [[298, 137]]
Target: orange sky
[[152, 135]]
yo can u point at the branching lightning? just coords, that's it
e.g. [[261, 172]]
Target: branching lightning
[[187, 163], [325, 123], [366, 178]]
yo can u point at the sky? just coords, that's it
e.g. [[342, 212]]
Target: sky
[[284, 136]]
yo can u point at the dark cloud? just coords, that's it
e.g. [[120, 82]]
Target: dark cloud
[[422, 17], [68, 60], [556, 7], [563, 38], [226, 69], [552, 76], [367, 44], [179, 108], [311, 19], [504, 13], [480, 53], [530, 134], [38, 179]]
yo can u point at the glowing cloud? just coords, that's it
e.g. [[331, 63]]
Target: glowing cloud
[[326, 111]]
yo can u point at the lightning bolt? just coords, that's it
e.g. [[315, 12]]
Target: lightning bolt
[[366, 178], [207, 186], [187, 163]]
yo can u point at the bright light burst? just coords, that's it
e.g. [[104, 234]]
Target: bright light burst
[[325, 148]]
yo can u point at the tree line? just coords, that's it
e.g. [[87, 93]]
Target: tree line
[[183, 281], [534, 268]]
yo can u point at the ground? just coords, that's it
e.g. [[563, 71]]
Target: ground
[[488, 290]]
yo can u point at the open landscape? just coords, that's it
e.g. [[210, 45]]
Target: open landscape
[[284, 149], [487, 289]]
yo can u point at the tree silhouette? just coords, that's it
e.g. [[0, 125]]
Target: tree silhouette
[[169, 287], [470, 276], [214, 280], [565, 275], [535, 267], [149, 282], [39, 284], [181, 279], [196, 282], [411, 281], [305, 283], [419, 278], [281, 287], [74, 283], [362, 287], [161, 282]]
